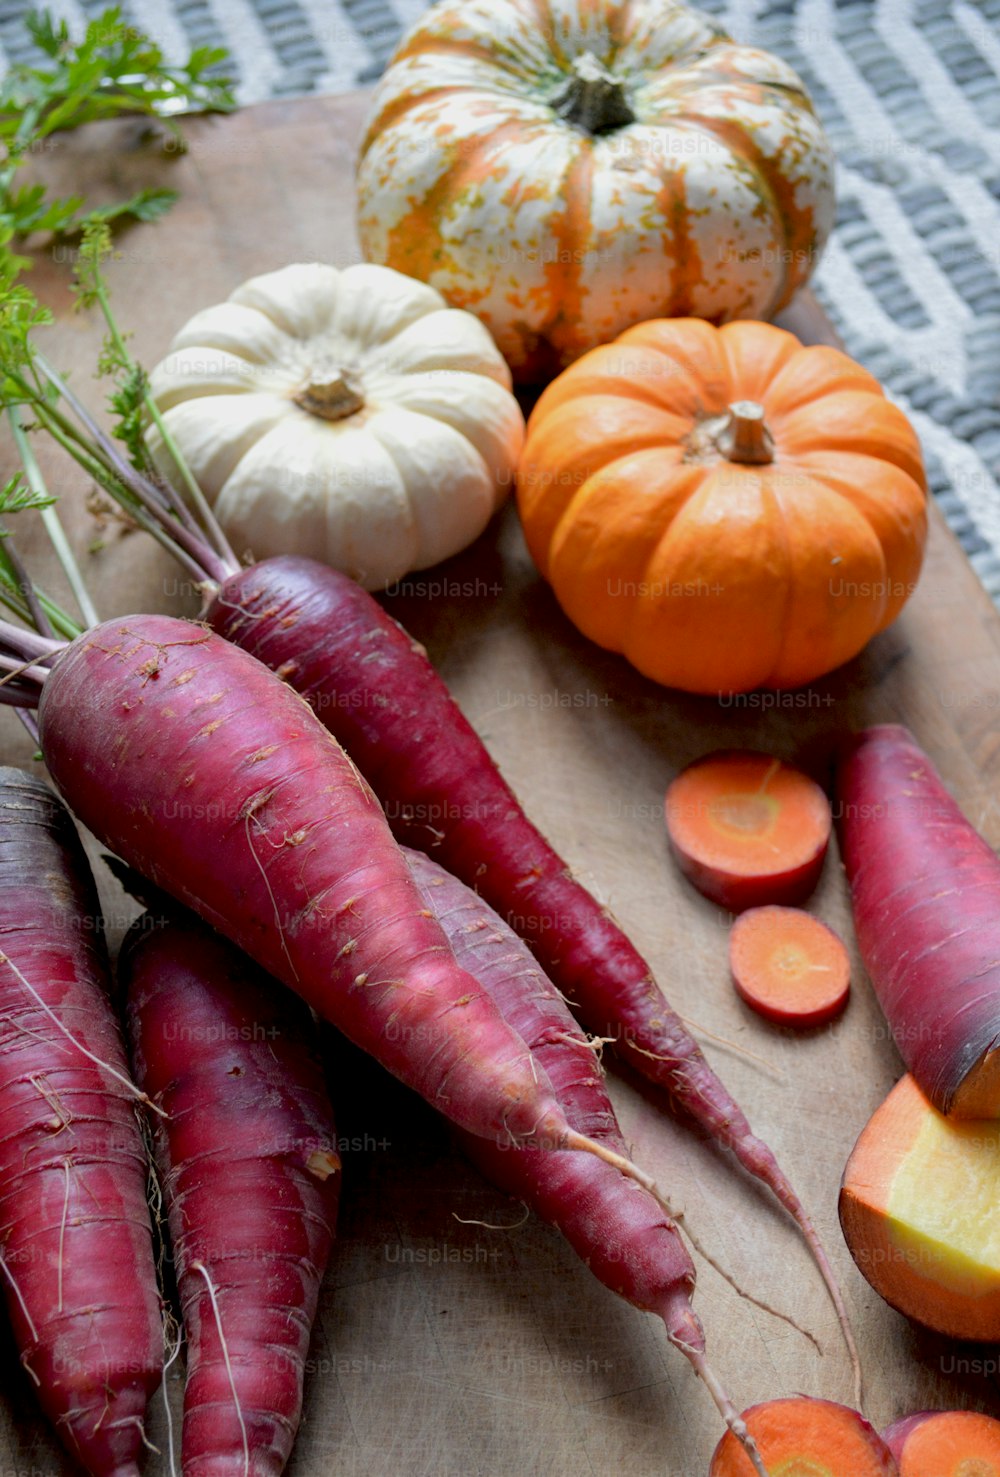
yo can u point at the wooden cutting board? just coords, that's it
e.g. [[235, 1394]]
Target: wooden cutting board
[[456, 1337]]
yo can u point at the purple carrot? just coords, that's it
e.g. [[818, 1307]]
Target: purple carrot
[[373, 687], [621, 1231], [925, 888], [248, 1164], [76, 1245], [201, 770]]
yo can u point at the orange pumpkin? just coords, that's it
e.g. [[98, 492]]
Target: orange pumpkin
[[725, 507]]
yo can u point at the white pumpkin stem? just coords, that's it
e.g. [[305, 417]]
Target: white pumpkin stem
[[744, 437], [594, 98], [332, 399]]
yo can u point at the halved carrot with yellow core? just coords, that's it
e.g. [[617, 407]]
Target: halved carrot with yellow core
[[946, 1443], [801, 1437], [747, 829], [788, 966], [920, 1211]]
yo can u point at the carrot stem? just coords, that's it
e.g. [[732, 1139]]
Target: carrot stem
[[210, 527], [159, 502], [26, 669], [29, 642], [29, 723], [39, 619], [106, 447], [50, 519]]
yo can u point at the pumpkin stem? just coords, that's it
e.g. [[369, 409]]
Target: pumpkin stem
[[332, 399], [593, 98], [744, 437]]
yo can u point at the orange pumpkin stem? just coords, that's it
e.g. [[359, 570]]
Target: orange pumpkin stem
[[332, 399], [744, 436], [594, 98]]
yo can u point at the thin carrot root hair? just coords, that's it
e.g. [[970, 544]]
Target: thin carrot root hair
[[596, 1044], [696, 1029], [137, 1421], [62, 1234], [23, 1306], [740, 1291], [758, 1160], [61, 1119], [737, 1425], [173, 1341], [120, 1077], [491, 1225], [580, 1141], [202, 1270], [799, 1214], [574, 1140]]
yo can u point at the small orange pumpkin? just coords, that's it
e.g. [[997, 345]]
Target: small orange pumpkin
[[727, 508]]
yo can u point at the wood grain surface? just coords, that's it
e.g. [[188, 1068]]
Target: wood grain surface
[[447, 1345]]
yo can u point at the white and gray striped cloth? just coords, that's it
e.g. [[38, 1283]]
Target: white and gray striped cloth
[[909, 91]]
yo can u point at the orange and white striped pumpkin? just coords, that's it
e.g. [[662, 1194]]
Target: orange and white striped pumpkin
[[566, 168]]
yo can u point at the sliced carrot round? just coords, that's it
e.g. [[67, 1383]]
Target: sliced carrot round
[[800, 1437], [949, 1443], [747, 829], [788, 966]]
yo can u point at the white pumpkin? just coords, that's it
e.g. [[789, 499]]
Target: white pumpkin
[[349, 415]]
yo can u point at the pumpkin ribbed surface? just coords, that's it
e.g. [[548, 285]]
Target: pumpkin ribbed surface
[[565, 168], [351, 416], [711, 570]]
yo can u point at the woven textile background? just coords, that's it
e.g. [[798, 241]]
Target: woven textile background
[[909, 91]]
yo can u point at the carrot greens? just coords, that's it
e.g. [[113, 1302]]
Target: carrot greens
[[111, 71]]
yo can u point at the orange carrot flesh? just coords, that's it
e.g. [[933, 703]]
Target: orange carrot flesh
[[951, 1443], [920, 1213], [748, 830], [800, 1437], [788, 966]]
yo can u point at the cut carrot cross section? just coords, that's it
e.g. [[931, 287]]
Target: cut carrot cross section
[[800, 1437], [948, 1443], [788, 966], [920, 1211], [747, 829]]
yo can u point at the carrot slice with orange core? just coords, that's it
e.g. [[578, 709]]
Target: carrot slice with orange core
[[800, 1437], [747, 829], [788, 966], [949, 1443]]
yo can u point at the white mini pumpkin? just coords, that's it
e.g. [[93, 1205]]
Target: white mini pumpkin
[[349, 415]]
